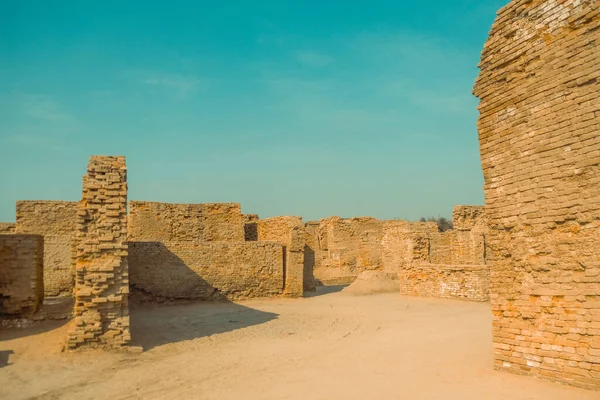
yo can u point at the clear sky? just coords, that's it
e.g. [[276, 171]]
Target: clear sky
[[309, 108]]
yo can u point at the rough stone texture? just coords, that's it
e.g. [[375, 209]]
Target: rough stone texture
[[469, 218], [41, 217], [468, 282], [102, 276], [206, 270], [250, 227], [539, 132], [57, 222], [290, 232], [165, 222], [343, 248], [21, 286], [7, 227], [404, 243]]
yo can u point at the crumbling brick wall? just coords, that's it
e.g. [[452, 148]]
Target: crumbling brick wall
[[21, 285], [250, 227], [539, 132], [404, 243], [151, 221], [7, 227], [290, 232], [57, 222], [102, 276], [466, 282], [206, 270]]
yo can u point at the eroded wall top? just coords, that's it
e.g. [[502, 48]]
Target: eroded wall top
[[42, 217], [151, 221]]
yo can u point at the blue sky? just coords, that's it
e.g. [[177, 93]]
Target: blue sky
[[311, 108]]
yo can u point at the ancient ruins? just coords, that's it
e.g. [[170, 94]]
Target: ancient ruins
[[533, 251], [539, 131], [91, 255]]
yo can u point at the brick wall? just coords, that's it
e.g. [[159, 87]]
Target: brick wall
[[7, 227], [41, 217], [102, 276], [404, 243], [21, 286], [250, 227], [150, 221], [290, 232], [539, 132], [206, 270], [57, 222], [467, 282]]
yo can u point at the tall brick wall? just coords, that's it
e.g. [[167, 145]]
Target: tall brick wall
[[206, 270], [102, 276], [21, 286], [150, 221], [290, 232], [57, 222], [7, 227], [539, 132]]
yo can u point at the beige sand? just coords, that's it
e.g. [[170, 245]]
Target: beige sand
[[331, 346], [372, 282]]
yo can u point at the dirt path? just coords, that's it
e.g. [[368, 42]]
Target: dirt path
[[332, 346]]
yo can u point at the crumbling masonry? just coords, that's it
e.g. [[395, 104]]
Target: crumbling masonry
[[101, 314], [539, 132]]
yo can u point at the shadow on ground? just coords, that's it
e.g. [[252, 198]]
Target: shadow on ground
[[154, 325], [35, 328], [323, 290], [4, 354], [158, 274]]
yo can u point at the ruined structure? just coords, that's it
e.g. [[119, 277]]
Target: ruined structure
[[96, 254], [426, 262], [56, 221], [21, 281], [539, 132], [101, 272], [290, 233], [200, 252]]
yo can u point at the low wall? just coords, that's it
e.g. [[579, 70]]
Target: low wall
[[21, 285], [206, 270], [466, 282]]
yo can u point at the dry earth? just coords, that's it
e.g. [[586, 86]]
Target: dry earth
[[330, 346]]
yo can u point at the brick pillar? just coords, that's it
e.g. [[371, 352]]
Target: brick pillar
[[102, 276], [290, 232], [539, 134]]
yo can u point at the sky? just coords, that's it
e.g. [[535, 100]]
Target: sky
[[311, 108]]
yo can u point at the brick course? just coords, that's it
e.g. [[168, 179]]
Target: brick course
[[539, 133]]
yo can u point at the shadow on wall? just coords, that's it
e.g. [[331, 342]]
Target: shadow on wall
[[155, 325]]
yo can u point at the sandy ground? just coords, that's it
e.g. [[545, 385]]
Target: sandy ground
[[330, 346]]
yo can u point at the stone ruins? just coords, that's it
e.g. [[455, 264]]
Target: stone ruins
[[533, 251], [83, 260], [539, 131]]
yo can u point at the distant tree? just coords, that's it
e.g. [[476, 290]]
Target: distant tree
[[442, 223]]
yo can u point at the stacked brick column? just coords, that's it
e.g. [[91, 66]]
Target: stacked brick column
[[102, 281]]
